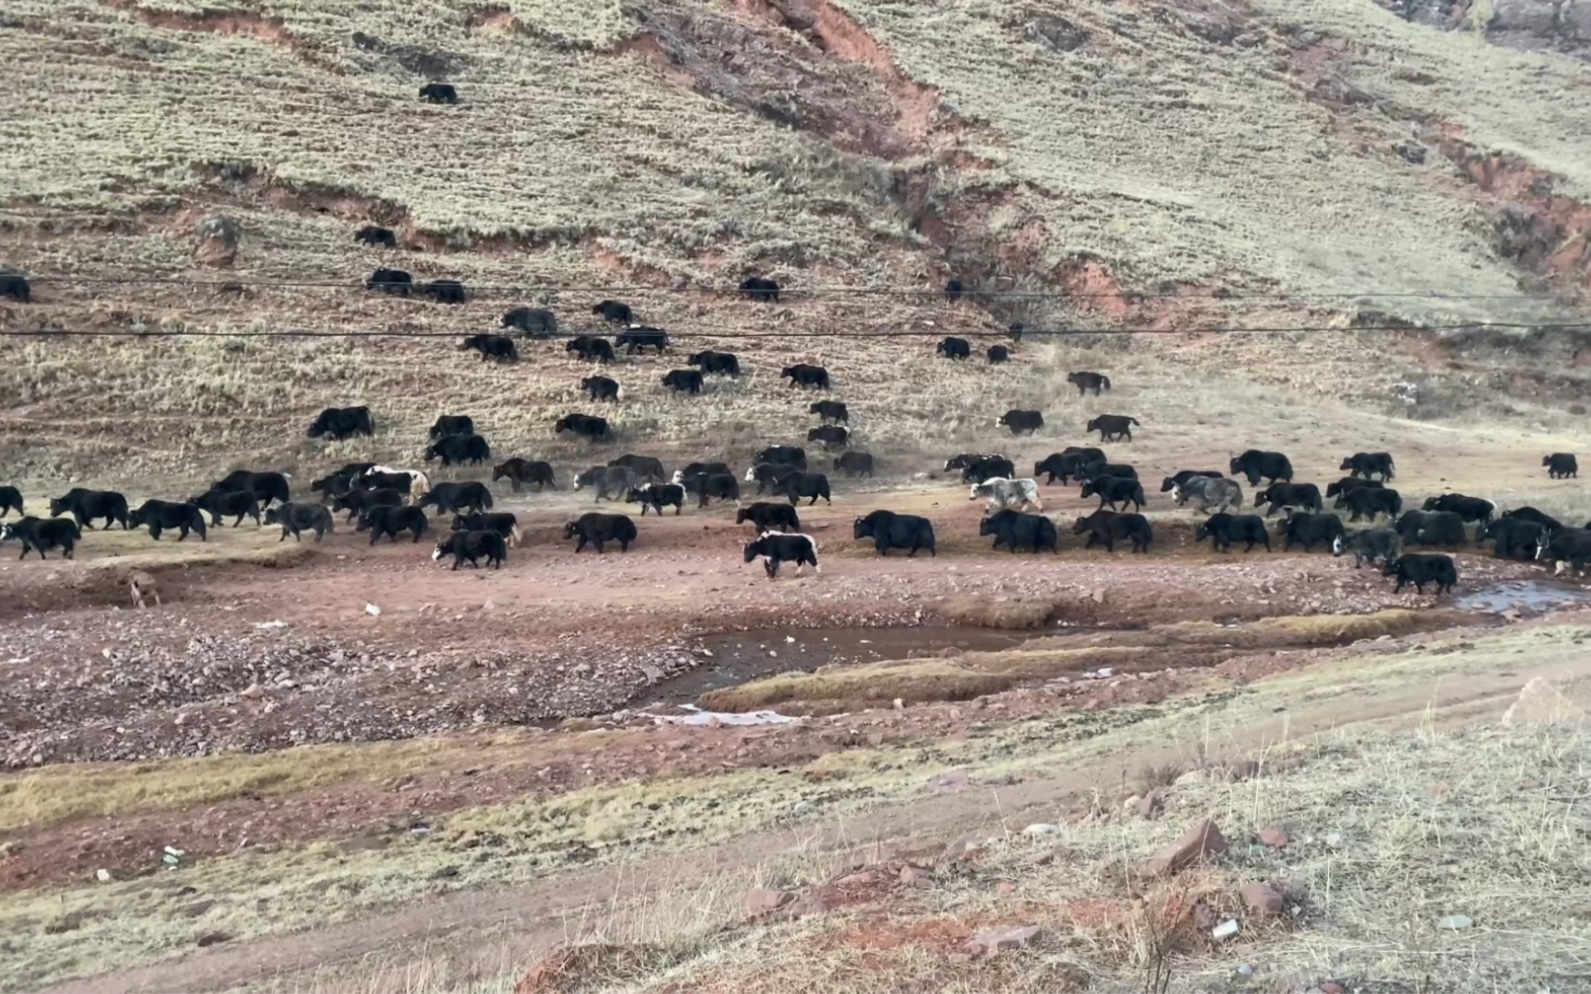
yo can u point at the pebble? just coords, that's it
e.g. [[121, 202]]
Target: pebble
[[1454, 923]]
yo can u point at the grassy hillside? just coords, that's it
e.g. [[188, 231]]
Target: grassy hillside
[[1269, 148]]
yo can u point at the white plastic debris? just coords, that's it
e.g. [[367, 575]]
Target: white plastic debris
[[265, 625], [372, 610], [1225, 930]]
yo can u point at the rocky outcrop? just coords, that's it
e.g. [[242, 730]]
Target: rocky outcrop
[[1532, 25]]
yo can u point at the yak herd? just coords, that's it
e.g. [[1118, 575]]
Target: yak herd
[[389, 501]]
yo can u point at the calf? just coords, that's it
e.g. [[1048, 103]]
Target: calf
[[1257, 465], [765, 516], [1115, 490], [998, 354], [297, 518], [472, 545], [503, 523], [987, 468], [1420, 568], [889, 530], [812, 485], [760, 288], [724, 363], [498, 347], [1086, 381], [1561, 465], [783, 547], [1020, 421], [459, 450], [1112, 426], [830, 411], [1002, 492], [1014, 528], [338, 423], [1182, 476], [389, 521], [707, 486], [447, 292], [587, 426], [375, 234], [42, 534], [159, 515], [1350, 483], [595, 528], [830, 435], [1368, 464], [456, 498], [1309, 530], [241, 503], [645, 467], [1111, 527], [1567, 545], [439, 93], [1368, 543], [394, 281], [1512, 538], [1207, 492], [357, 501], [10, 499], [1370, 501], [601, 388], [267, 486], [610, 482], [1222, 529], [1066, 463], [452, 424], [590, 348], [1468, 508], [537, 322], [658, 496], [518, 471], [683, 380], [637, 337], [86, 505], [614, 312], [806, 375], [1297, 495], [855, 463], [954, 348]]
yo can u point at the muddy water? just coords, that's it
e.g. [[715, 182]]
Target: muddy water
[[1525, 596], [738, 657]]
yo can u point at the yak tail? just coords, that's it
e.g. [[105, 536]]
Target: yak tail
[[513, 535], [1104, 381], [1149, 533], [417, 477], [486, 497], [1135, 421]]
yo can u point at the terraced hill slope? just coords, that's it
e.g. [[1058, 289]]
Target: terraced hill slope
[[1195, 150]]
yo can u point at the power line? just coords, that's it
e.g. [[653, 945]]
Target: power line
[[737, 335], [816, 291]]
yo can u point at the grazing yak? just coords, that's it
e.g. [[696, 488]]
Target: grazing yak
[[806, 375], [830, 411], [690, 472], [954, 290], [587, 426], [1115, 490], [397, 282], [459, 450], [1512, 538], [1015, 529], [761, 289], [42, 534], [1309, 530], [601, 388], [160, 515], [1467, 508], [355, 502], [783, 547], [683, 380], [614, 312], [1368, 544], [1351, 483], [439, 93], [375, 234], [1206, 492], [389, 521], [1256, 465], [1184, 475], [1095, 470], [222, 503], [1567, 545], [1561, 465], [983, 468], [1280, 495], [537, 322], [770, 476], [1020, 422], [646, 467], [590, 348], [1112, 426], [16, 286], [855, 463], [1068, 462], [297, 518], [445, 291], [267, 486], [1222, 529], [812, 485], [889, 530], [721, 363], [10, 500], [456, 498], [637, 337], [766, 515], [338, 423], [952, 347], [452, 424], [595, 528], [1111, 527], [472, 545], [783, 455], [1086, 381], [1003, 492], [1420, 568], [86, 505], [499, 348], [1367, 502], [830, 435], [609, 482], [1368, 464], [503, 523], [997, 354]]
